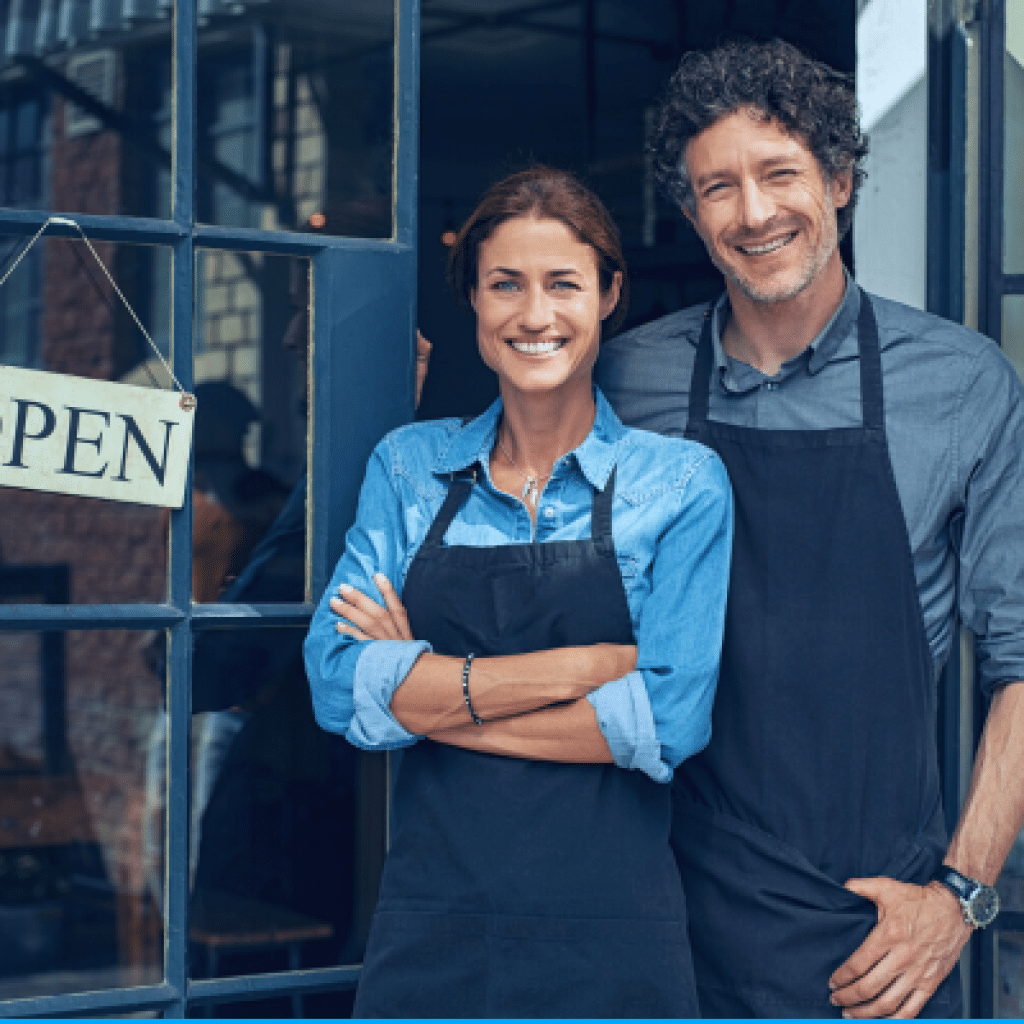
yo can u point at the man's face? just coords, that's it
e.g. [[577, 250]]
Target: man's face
[[763, 209]]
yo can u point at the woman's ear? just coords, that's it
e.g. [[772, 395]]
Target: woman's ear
[[472, 298], [610, 298]]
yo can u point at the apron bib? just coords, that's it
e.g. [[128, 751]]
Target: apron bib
[[519, 888], [822, 764]]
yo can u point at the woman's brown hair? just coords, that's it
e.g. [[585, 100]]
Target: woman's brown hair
[[545, 193]]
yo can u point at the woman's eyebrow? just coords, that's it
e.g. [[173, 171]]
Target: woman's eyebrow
[[505, 270]]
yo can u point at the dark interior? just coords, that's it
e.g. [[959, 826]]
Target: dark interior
[[567, 83]]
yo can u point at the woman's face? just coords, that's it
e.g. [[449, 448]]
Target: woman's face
[[539, 306]]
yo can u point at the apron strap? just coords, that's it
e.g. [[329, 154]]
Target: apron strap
[[458, 492], [871, 395], [601, 511], [700, 379]]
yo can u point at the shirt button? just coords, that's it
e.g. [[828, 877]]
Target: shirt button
[[771, 385], [549, 511]]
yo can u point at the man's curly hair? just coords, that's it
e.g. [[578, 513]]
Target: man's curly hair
[[809, 99]]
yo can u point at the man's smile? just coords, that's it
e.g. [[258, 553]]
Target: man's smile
[[767, 247]]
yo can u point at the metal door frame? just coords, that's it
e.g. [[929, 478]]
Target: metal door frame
[[347, 419]]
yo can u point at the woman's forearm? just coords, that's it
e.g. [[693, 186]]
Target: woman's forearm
[[568, 733], [430, 699]]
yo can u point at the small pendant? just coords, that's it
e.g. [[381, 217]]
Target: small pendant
[[531, 491]]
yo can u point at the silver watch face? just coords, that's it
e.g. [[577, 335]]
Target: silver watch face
[[981, 907]]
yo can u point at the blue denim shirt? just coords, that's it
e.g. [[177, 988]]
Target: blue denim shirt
[[672, 525]]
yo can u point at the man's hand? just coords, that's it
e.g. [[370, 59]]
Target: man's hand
[[916, 943], [364, 619]]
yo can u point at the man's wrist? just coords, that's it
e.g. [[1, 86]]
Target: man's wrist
[[978, 902]]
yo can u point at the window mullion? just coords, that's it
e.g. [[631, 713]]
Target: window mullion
[[179, 695]]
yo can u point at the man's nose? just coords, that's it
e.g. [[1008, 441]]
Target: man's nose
[[756, 205], [537, 312]]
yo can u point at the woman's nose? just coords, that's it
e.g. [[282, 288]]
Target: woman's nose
[[537, 313]]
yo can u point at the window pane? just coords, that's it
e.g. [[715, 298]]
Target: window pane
[[111, 156], [80, 804], [1010, 988], [287, 820], [295, 116], [252, 339], [1013, 330], [58, 313], [1013, 119]]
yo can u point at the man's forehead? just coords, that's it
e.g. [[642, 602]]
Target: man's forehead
[[751, 133]]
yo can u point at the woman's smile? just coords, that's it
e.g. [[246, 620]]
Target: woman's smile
[[537, 348]]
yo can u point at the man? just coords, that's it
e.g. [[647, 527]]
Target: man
[[874, 453]]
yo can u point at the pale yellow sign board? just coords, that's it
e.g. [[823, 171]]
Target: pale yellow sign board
[[94, 438]]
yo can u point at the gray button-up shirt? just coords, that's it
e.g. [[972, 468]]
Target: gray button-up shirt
[[954, 415]]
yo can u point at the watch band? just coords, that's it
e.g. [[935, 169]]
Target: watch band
[[959, 885], [978, 901]]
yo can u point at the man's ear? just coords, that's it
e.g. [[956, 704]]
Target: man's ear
[[842, 188]]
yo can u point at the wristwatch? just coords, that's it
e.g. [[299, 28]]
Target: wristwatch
[[979, 902]]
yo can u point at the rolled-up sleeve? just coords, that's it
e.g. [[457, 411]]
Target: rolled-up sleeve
[[679, 633], [991, 540], [352, 682], [626, 721]]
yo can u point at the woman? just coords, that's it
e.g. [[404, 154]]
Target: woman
[[544, 677]]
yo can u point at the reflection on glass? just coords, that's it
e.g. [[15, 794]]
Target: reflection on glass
[[287, 820], [1011, 882], [58, 313], [1013, 156], [251, 358], [76, 712], [1010, 987], [1013, 330], [84, 107], [295, 117]]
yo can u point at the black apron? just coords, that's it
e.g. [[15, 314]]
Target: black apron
[[822, 764], [518, 888]]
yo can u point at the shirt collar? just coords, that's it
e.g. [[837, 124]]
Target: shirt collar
[[738, 376], [596, 456]]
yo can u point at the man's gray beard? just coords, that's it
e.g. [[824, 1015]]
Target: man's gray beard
[[815, 264]]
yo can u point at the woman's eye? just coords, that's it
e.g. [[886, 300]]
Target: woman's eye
[[505, 285], [565, 285]]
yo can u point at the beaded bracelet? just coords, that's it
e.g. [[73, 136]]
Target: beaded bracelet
[[465, 690]]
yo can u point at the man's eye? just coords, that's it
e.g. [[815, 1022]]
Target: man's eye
[[783, 172], [712, 190]]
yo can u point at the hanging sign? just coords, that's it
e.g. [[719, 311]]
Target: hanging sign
[[95, 438]]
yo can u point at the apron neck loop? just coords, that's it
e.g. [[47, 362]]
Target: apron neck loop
[[700, 381], [601, 511], [461, 484], [871, 394]]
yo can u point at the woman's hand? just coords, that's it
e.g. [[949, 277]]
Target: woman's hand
[[365, 619]]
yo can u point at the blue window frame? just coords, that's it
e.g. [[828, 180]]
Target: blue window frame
[[362, 384]]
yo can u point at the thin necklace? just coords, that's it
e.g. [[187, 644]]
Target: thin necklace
[[531, 484]]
